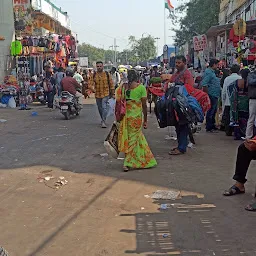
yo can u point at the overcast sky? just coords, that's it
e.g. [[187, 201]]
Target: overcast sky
[[98, 21]]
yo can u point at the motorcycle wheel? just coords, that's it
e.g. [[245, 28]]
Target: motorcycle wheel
[[43, 102], [67, 115]]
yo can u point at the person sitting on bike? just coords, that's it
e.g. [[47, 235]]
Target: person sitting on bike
[[69, 84]]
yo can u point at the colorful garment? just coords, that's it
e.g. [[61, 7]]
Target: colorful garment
[[131, 140]]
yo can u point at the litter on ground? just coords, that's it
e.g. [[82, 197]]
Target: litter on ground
[[166, 194]]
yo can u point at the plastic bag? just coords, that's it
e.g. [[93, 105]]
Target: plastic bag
[[11, 103], [3, 105], [56, 101], [112, 104], [111, 142]]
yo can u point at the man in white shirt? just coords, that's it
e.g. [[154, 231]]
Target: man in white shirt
[[225, 99], [115, 77], [78, 77]]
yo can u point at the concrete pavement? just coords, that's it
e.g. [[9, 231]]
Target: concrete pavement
[[103, 211]]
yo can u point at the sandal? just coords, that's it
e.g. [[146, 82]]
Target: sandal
[[251, 207], [234, 190], [126, 169], [175, 152]]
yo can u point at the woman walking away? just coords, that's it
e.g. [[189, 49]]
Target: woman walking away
[[131, 140]]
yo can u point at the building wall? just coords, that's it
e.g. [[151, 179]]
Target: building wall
[[6, 31], [230, 10]]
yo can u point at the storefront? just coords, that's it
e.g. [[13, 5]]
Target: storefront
[[42, 33], [6, 36], [37, 37], [236, 43]]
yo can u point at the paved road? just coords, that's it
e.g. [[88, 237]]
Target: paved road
[[103, 211]]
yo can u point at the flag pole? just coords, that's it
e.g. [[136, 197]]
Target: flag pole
[[164, 24]]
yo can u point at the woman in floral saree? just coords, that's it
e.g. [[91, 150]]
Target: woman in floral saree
[[131, 140]]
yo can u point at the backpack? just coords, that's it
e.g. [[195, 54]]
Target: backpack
[[173, 108], [195, 106]]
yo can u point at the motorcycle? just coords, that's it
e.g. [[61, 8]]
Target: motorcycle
[[69, 105], [40, 94]]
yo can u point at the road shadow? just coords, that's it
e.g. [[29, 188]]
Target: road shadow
[[153, 233]]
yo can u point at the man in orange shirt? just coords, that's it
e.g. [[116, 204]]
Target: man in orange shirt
[[182, 75]]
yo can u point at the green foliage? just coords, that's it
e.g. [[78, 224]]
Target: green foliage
[[93, 53], [140, 50], [200, 15]]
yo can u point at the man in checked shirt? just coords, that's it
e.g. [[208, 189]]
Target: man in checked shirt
[[104, 90]]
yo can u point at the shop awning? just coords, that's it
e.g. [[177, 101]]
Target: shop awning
[[216, 30]]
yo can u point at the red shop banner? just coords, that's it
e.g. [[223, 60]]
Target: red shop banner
[[200, 42]]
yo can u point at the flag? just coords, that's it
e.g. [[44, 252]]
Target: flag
[[168, 5]]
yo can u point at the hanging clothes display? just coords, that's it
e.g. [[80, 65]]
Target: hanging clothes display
[[57, 48]]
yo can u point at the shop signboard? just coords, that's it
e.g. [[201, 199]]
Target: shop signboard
[[200, 42], [83, 62], [22, 15], [54, 12]]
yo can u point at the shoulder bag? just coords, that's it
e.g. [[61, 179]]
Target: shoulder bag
[[120, 109]]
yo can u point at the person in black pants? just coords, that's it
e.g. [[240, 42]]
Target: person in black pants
[[49, 85], [245, 154]]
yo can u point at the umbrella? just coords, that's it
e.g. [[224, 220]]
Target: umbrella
[[121, 70]]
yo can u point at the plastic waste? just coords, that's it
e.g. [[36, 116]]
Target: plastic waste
[[34, 114], [112, 104], [11, 103], [163, 206], [2, 105]]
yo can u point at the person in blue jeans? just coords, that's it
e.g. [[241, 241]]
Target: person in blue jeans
[[211, 85], [182, 137]]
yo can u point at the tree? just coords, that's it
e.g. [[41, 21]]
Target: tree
[[200, 16], [93, 53], [142, 49]]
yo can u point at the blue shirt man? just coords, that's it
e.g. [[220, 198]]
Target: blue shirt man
[[211, 85], [212, 82]]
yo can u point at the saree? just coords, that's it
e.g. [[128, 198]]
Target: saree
[[131, 140]]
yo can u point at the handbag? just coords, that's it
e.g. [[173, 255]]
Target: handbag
[[120, 108], [111, 142]]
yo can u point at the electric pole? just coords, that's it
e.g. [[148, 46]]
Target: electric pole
[[157, 39], [115, 53]]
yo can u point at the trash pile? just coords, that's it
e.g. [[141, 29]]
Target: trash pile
[[51, 181]]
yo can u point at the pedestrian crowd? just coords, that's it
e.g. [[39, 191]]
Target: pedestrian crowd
[[224, 99], [228, 97]]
